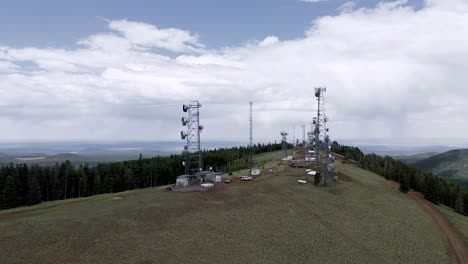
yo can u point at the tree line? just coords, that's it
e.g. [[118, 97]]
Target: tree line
[[434, 189], [22, 185]]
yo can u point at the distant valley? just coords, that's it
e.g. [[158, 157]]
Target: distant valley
[[452, 164], [79, 152]]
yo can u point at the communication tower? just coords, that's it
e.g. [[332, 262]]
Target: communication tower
[[284, 144], [303, 136], [193, 158], [294, 135], [321, 142], [251, 144]]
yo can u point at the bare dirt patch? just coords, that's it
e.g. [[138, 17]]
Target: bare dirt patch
[[299, 155], [293, 172], [343, 177], [25, 211]]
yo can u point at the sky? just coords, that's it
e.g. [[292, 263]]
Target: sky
[[120, 70]]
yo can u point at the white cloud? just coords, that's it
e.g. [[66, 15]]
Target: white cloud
[[144, 36], [6, 66], [268, 41], [391, 71], [347, 7]]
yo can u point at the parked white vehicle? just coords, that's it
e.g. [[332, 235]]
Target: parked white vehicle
[[245, 178]]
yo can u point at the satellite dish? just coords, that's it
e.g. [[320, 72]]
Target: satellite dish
[[327, 130], [185, 108], [326, 119], [314, 122], [184, 121], [317, 93], [200, 127], [185, 147], [327, 139], [183, 135]]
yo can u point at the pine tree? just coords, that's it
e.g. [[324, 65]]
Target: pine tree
[[2, 186], [130, 177], [82, 182], [431, 192], [460, 204], [404, 184], [10, 193], [34, 194], [108, 184], [465, 201], [98, 184]]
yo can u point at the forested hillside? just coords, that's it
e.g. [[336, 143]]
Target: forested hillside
[[433, 188], [21, 184], [450, 165]]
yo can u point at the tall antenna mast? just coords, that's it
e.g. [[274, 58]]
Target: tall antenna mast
[[303, 135], [294, 134], [322, 141], [193, 157], [251, 144], [311, 135], [284, 144]]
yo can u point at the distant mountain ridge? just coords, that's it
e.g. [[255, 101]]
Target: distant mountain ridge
[[46, 159], [452, 164], [411, 159]]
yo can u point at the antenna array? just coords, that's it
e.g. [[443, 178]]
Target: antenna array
[[251, 144], [193, 158], [284, 144], [321, 142]]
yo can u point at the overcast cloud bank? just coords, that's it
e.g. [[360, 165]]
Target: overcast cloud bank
[[390, 71]]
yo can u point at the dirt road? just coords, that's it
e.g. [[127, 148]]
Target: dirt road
[[457, 246]]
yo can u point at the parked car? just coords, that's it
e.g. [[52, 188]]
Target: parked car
[[228, 180], [245, 178]]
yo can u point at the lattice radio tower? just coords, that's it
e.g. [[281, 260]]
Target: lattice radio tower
[[193, 158], [321, 144], [294, 135], [284, 144], [311, 136], [250, 138], [303, 136]]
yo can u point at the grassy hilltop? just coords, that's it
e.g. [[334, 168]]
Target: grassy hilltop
[[272, 219]]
